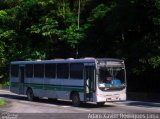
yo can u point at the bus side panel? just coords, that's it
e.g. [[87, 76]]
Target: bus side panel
[[26, 84], [66, 95], [38, 92], [68, 86], [81, 96], [36, 84], [63, 95], [94, 97], [50, 87], [50, 93], [14, 85]]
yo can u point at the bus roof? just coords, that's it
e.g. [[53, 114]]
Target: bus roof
[[69, 60]]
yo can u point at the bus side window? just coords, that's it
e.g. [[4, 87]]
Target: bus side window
[[76, 70], [39, 70], [50, 70], [63, 70], [14, 70], [29, 70]]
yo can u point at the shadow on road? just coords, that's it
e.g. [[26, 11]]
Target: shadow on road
[[10, 96], [143, 104], [69, 103], [55, 102]]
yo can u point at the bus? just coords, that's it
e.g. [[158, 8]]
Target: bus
[[97, 80]]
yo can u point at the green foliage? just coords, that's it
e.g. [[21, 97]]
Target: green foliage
[[6, 84], [3, 13], [154, 61], [46, 29], [73, 35], [99, 12], [7, 35], [2, 57], [156, 19], [2, 102], [36, 55]]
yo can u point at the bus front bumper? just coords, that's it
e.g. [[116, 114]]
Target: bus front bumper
[[111, 98]]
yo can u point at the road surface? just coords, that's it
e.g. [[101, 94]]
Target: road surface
[[19, 107]]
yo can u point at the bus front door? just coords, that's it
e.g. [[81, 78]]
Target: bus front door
[[89, 83], [21, 80]]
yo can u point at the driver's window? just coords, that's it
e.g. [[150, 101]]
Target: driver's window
[[105, 75]]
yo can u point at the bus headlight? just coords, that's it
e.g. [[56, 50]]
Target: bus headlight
[[122, 96]]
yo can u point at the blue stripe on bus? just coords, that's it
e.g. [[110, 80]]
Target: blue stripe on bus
[[51, 87]]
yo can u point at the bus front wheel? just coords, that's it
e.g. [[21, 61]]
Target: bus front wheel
[[75, 100], [30, 95]]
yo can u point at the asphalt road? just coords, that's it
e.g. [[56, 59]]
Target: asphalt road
[[18, 107]]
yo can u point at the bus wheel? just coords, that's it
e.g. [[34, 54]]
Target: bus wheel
[[75, 100], [100, 103], [30, 95]]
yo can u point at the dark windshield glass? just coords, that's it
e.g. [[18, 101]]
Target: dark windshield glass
[[111, 78]]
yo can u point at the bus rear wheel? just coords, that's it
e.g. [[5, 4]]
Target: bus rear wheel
[[30, 95], [76, 100]]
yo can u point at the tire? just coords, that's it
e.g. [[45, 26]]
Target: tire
[[100, 103], [76, 100], [30, 95]]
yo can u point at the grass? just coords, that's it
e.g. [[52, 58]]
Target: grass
[[2, 102]]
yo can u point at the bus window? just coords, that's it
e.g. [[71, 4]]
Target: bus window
[[76, 71], [63, 70], [38, 70], [29, 70], [50, 70], [14, 70], [111, 78]]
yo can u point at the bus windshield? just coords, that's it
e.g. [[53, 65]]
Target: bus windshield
[[111, 78]]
